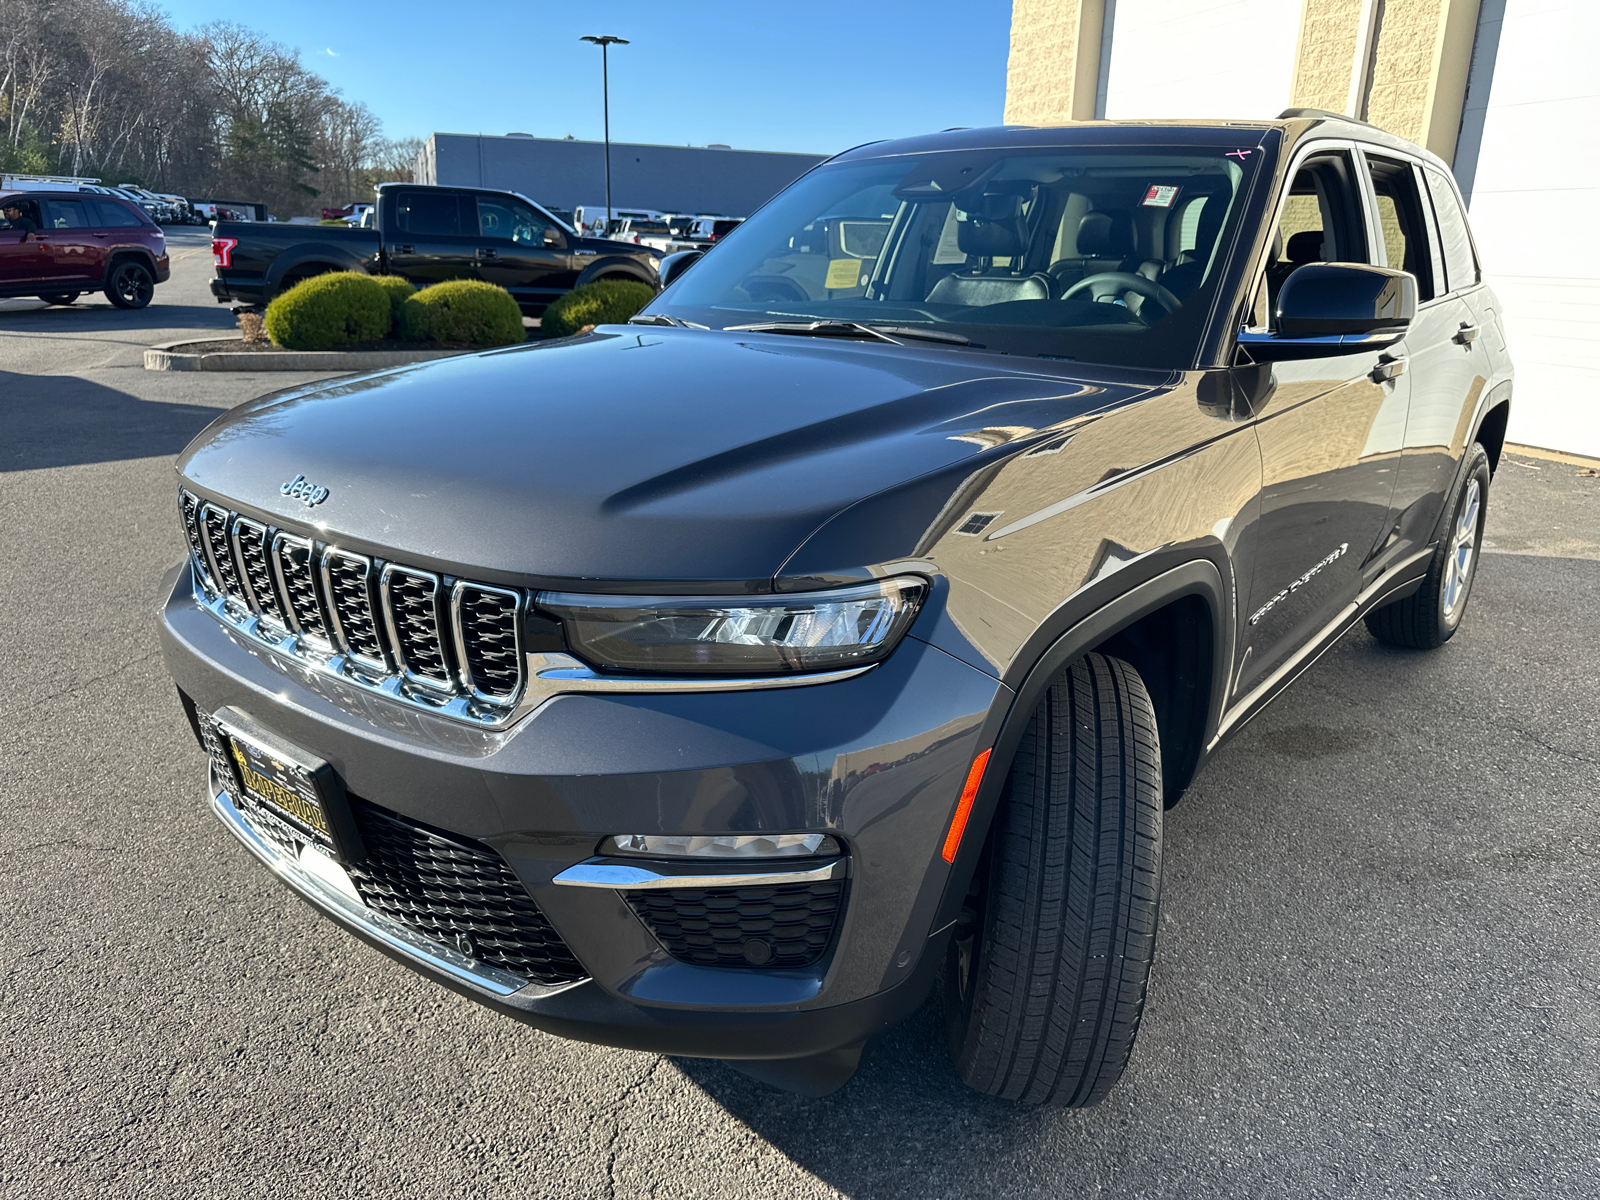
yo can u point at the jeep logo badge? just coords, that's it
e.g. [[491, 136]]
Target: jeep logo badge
[[299, 489]]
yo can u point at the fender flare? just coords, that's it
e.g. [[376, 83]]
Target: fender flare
[[1008, 720], [1493, 398], [117, 253], [618, 264], [294, 257]]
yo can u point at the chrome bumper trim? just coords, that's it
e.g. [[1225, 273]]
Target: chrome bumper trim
[[624, 875], [422, 950]]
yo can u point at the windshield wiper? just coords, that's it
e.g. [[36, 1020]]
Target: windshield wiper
[[851, 329], [656, 319]]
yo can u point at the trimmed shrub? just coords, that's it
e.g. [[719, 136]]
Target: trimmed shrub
[[333, 221], [466, 312], [399, 291], [605, 302], [329, 310]]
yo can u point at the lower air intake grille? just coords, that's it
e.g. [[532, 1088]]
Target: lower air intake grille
[[787, 925], [457, 892]]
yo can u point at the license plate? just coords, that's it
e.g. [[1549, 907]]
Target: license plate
[[297, 788]]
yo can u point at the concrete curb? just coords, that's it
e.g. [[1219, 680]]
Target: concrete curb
[[170, 357]]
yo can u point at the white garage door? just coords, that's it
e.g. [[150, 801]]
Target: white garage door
[[1201, 58], [1535, 210]]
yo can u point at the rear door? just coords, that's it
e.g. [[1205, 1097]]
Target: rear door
[[1331, 432], [512, 251], [77, 255], [432, 235], [1446, 359]]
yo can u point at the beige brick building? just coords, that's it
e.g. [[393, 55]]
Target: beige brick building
[[1505, 90]]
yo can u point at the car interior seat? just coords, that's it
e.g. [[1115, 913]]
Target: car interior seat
[[994, 229]]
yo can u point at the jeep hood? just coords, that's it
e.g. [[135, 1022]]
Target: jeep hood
[[637, 456]]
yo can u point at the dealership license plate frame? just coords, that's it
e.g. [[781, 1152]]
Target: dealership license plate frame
[[290, 785]]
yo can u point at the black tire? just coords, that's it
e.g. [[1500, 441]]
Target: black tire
[[130, 284], [1051, 957], [1430, 616], [62, 298]]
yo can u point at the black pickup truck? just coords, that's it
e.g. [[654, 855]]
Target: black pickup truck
[[427, 234]]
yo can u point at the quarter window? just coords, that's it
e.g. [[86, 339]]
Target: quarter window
[[1401, 222], [1460, 263], [112, 215]]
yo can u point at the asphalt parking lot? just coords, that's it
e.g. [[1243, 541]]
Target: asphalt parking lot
[[1379, 972]]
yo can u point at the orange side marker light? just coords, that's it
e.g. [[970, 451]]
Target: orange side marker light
[[969, 793]]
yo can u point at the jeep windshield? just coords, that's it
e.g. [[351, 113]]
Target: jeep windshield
[[1102, 254]]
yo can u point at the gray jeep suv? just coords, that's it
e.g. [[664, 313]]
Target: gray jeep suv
[[715, 684]]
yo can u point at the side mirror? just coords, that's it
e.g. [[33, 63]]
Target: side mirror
[[674, 265], [1337, 308], [553, 239]]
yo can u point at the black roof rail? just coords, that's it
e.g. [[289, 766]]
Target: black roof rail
[[1290, 114]]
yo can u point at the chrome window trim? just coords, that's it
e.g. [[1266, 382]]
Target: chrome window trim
[[519, 608], [374, 604], [446, 686], [283, 538]]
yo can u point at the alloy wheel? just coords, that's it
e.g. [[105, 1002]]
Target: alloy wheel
[[134, 285], [1463, 548]]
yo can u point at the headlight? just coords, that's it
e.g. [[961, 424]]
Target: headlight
[[722, 635]]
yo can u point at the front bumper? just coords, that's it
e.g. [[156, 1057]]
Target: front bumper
[[878, 761]]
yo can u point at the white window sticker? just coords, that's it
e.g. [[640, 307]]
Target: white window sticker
[[1160, 195]]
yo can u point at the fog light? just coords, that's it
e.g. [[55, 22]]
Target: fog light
[[761, 845]]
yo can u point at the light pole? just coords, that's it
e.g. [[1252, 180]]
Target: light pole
[[605, 43]]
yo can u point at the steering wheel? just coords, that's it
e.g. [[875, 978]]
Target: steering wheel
[[1113, 283]]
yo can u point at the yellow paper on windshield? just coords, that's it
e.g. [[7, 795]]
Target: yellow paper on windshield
[[843, 273]]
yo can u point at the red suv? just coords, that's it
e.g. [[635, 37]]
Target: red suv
[[58, 245]]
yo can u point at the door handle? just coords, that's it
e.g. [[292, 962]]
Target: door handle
[[405, 250], [488, 253], [102, 235], [1390, 367], [1466, 335]]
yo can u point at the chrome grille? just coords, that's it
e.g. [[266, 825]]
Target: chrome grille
[[411, 606], [214, 531], [251, 545], [448, 645], [297, 576], [486, 628], [189, 513], [348, 586]]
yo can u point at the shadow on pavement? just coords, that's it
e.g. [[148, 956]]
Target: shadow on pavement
[[62, 420], [94, 314]]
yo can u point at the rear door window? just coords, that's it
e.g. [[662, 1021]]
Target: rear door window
[[66, 214], [433, 213], [1460, 261], [1402, 223]]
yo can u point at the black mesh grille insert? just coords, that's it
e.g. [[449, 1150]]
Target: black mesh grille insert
[[489, 640], [189, 512], [787, 925], [457, 892], [300, 585], [214, 527], [252, 543], [414, 608], [350, 596]]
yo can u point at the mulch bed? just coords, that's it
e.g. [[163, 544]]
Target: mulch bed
[[236, 346]]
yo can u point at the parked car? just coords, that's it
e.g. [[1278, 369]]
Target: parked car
[[712, 685], [66, 243], [428, 234]]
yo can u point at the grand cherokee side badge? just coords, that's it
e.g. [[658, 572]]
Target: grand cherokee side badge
[[299, 489]]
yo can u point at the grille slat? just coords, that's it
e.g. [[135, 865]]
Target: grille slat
[[214, 529], [782, 925], [295, 558], [487, 638], [452, 644], [251, 544], [411, 604], [348, 585], [458, 892]]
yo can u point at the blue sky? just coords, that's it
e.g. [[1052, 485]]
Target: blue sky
[[817, 77]]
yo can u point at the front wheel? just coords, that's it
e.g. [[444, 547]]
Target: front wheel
[[1052, 952], [62, 298], [1430, 616], [131, 285]]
